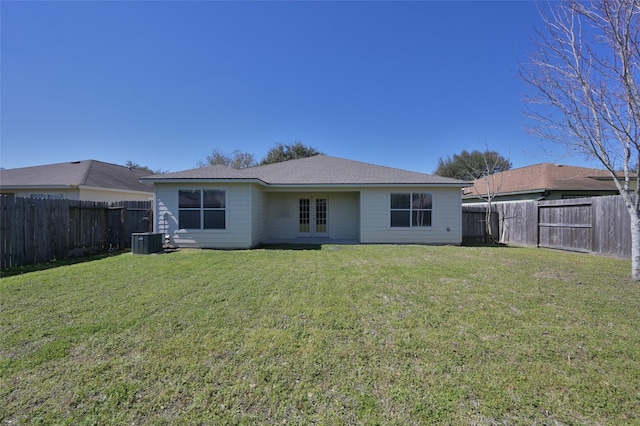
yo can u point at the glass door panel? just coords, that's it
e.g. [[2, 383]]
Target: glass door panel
[[304, 220], [312, 217], [321, 216]]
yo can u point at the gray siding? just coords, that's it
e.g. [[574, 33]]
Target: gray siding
[[238, 220], [255, 216], [342, 214], [259, 217], [446, 218], [282, 215], [85, 194]]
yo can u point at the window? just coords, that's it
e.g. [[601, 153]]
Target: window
[[410, 210], [201, 209]]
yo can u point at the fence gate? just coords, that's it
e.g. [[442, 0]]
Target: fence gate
[[566, 224]]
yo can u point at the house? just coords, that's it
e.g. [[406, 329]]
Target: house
[[314, 199], [544, 181], [88, 180]]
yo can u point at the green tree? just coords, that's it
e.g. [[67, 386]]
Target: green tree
[[237, 159], [282, 152], [472, 165]]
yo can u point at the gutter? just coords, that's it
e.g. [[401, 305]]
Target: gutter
[[302, 185], [201, 180], [39, 186]]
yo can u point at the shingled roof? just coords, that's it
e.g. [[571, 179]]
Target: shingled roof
[[545, 177], [219, 171], [87, 173], [316, 170]]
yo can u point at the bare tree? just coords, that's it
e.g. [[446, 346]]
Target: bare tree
[[489, 189], [584, 76]]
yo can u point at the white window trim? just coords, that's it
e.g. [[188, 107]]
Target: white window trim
[[203, 209], [410, 227]]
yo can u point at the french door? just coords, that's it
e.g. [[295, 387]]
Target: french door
[[312, 217]]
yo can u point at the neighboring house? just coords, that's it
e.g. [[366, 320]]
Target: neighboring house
[[88, 180], [541, 182], [314, 199]]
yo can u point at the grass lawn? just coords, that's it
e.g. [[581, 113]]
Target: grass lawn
[[368, 334]]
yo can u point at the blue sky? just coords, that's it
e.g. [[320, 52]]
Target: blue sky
[[164, 83]]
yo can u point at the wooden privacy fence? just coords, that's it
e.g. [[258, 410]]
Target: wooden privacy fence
[[128, 217], [474, 225], [599, 225], [40, 230]]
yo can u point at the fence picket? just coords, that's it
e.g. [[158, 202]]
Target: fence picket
[[599, 225], [40, 230]]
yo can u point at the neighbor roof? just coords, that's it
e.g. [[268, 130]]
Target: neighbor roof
[[87, 173], [316, 170], [545, 177]]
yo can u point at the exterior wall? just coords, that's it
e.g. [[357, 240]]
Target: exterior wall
[[510, 198], [259, 216], [446, 218], [254, 216], [282, 215], [238, 217], [342, 215], [563, 195], [67, 193], [111, 196], [106, 196]]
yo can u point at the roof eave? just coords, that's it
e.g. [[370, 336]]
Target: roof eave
[[358, 185], [537, 191], [299, 185], [502, 194], [203, 180], [62, 186]]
